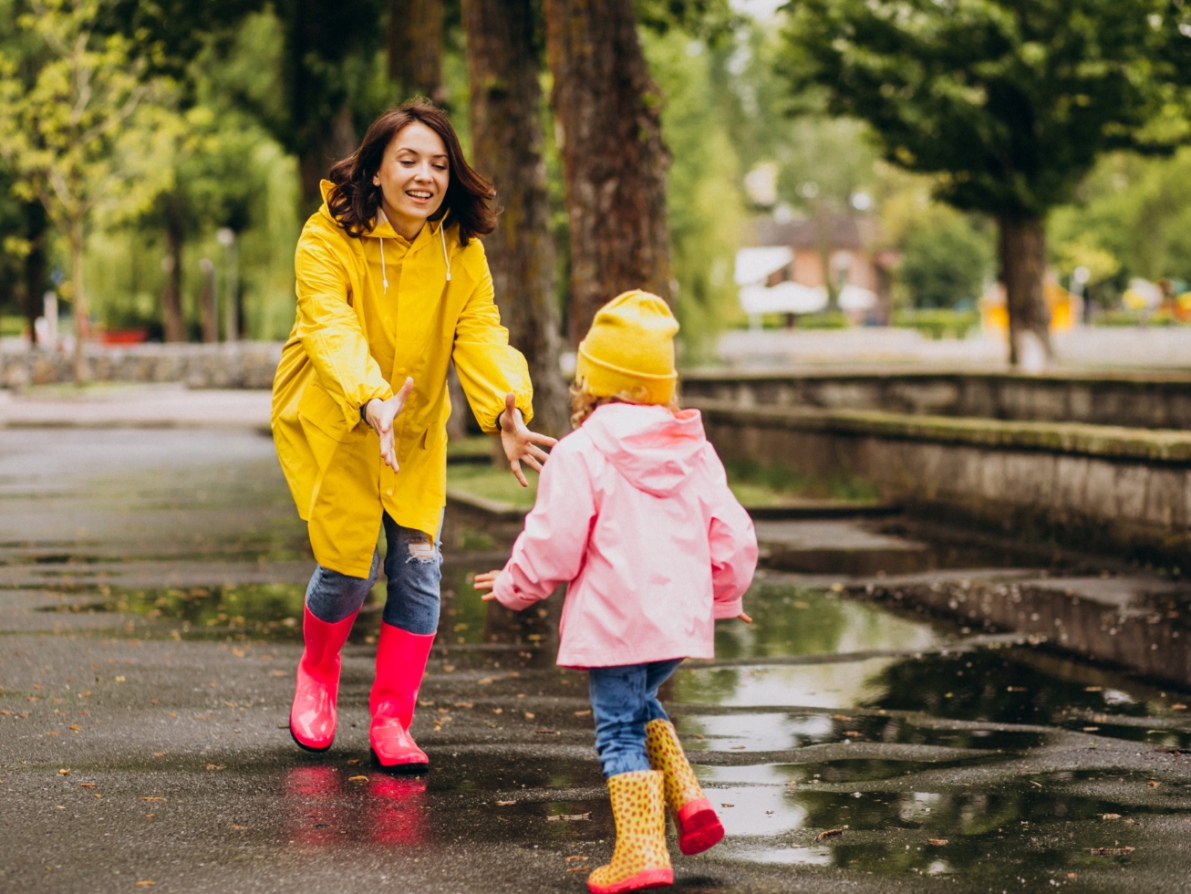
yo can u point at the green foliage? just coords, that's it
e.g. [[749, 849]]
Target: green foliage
[[938, 323], [1131, 217], [1007, 103], [827, 319], [703, 195], [944, 260]]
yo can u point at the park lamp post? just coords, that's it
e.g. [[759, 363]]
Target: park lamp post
[[231, 278], [1079, 281]]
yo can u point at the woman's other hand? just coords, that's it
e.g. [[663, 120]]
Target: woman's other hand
[[380, 415], [486, 581], [743, 617], [521, 444]]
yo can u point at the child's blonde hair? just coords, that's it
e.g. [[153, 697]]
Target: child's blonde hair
[[584, 403]]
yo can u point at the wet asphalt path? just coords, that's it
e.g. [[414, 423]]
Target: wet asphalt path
[[149, 586]]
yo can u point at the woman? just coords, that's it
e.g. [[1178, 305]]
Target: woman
[[392, 285]]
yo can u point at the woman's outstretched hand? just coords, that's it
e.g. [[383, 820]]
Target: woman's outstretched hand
[[743, 617], [380, 415], [521, 444], [486, 580]]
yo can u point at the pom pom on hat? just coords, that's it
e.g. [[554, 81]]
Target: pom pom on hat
[[630, 350]]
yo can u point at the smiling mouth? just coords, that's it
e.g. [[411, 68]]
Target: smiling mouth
[[420, 196]]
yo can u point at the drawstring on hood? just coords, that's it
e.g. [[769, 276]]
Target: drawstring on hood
[[384, 270]]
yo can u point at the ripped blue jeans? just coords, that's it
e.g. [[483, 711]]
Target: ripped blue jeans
[[413, 568]]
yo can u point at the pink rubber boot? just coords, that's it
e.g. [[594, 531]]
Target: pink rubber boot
[[313, 716], [400, 663]]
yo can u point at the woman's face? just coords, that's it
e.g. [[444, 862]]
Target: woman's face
[[413, 178]]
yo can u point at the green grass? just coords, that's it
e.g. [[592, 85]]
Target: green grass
[[753, 483], [756, 484], [472, 446], [492, 483]]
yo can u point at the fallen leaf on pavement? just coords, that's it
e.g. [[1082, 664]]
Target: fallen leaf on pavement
[[86, 785], [937, 842], [576, 859], [568, 818], [583, 713], [1154, 783], [64, 772], [216, 767], [357, 779], [829, 834], [504, 803], [1110, 816], [144, 884], [153, 799], [239, 828]]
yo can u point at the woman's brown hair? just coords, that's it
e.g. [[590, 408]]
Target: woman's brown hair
[[355, 199]]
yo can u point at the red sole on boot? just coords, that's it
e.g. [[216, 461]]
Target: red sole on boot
[[698, 827], [410, 768], [649, 878]]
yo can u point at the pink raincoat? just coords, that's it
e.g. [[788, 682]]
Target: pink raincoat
[[634, 511]]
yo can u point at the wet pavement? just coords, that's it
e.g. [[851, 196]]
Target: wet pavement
[[150, 595]]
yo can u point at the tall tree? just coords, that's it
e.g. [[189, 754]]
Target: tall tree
[[607, 113], [414, 44], [83, 134], [503, 56], [1007, 103]]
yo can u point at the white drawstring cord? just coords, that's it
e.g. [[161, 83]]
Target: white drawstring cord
[[384, 271], [441, 227]]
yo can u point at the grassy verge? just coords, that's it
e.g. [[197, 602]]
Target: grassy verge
[[754, 485]]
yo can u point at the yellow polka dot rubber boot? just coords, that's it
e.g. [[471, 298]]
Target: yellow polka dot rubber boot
[[641, 859], [698, 826]]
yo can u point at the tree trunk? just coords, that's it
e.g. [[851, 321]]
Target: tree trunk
[[209, 304], [506, 99], [78, 298], [415, 47], [1022, 256], [337, 140], [172, 321], [33, 272], [607, 110]]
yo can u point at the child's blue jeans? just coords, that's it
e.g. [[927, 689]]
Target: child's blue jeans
[[623, 700], [413, 567]]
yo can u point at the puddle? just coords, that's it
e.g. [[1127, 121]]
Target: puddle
[[1047, 824]]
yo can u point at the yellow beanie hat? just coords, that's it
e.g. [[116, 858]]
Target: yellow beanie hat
[[630, 348]]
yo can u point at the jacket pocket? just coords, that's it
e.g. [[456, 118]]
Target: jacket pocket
[[318, 409]]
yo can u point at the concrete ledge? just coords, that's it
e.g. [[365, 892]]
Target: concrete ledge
[[237, 365], [1124, 490], [1132, 399], [1053, 437]]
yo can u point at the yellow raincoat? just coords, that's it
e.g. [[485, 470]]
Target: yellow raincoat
[[354, 340]]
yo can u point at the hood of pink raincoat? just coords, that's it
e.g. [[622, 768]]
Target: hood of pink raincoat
[[653, 448]]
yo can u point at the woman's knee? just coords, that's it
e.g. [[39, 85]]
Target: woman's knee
[[332, 597]]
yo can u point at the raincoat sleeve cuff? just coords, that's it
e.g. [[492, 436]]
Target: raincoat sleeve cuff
[[506, 593], [725, 610]]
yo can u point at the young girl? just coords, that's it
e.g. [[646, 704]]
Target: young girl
[[635, 514]]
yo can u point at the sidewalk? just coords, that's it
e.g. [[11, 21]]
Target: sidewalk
[[134, 406]]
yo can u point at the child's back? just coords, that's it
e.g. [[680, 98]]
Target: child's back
[[635, 512]]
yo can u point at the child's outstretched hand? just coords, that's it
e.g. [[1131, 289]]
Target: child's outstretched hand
[[486, 580], [742, 616]]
